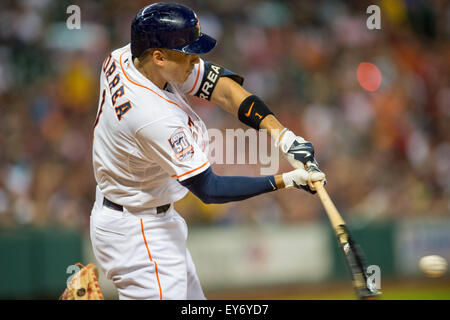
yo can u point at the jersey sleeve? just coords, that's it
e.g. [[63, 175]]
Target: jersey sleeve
[[192, 84], [170, 144]]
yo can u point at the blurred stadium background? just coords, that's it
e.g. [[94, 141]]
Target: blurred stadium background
[[386, 153]]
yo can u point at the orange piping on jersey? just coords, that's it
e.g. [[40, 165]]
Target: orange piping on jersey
[[154, 262], [196, 79], [192, 170], [142, 86]]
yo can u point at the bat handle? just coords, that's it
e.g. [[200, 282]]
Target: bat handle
[[318, 186], [330, 208]]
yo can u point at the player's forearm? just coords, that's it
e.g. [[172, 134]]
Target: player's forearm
[[211, 188], [229, 96], [273, 126], [252, 111]]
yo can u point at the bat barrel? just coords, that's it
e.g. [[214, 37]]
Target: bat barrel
[[352, 254]]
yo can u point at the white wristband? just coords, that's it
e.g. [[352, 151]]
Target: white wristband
[[278, 137], [287, 140]]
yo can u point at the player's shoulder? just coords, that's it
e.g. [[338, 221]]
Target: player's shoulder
[[114, 57], [119, 52], [147, 103]]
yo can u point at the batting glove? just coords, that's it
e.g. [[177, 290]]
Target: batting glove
[[298, 151], [299, 178]]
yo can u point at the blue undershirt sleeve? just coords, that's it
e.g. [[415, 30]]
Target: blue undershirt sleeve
[[211, 188]]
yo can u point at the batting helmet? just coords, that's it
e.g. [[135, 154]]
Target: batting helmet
[[169, 26]]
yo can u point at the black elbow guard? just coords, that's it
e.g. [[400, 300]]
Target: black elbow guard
[[252, 111]]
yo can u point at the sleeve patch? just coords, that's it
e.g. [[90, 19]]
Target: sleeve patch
[[181, 146]]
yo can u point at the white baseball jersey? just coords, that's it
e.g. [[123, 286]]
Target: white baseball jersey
[[145, 138]]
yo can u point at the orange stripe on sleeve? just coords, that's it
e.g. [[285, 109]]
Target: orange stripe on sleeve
[[196, 80], [192, 170], [154, 262]]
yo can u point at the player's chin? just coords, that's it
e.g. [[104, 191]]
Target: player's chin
[[180, 78], [184, 77]]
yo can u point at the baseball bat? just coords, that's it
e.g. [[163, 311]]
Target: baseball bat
[[353, 254]]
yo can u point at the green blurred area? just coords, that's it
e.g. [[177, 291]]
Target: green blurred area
[[35, 261], [376, 244]]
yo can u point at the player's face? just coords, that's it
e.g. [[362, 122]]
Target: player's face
[[178, 66]]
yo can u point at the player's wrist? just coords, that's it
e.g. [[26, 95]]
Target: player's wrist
[[286, 140], [280, 136], [279, 182]]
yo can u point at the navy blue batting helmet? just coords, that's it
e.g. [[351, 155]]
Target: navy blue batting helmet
[[169, 26]]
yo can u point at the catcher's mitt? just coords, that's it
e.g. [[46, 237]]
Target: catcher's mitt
[[84, 285]]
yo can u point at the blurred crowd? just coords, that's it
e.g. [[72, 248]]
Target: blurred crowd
[[386, 153]]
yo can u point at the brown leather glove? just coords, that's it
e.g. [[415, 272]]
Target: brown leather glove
[[84, 285]]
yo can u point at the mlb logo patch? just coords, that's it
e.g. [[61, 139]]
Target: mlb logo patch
[[180, 145]]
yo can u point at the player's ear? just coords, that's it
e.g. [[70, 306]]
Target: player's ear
[[159, 57]]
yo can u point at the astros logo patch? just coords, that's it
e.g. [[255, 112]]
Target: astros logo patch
[[197, 26], [180, 145]]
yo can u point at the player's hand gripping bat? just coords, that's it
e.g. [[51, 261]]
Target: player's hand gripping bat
[[352, 253]]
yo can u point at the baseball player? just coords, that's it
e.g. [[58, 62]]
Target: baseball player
[[149, 151]]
